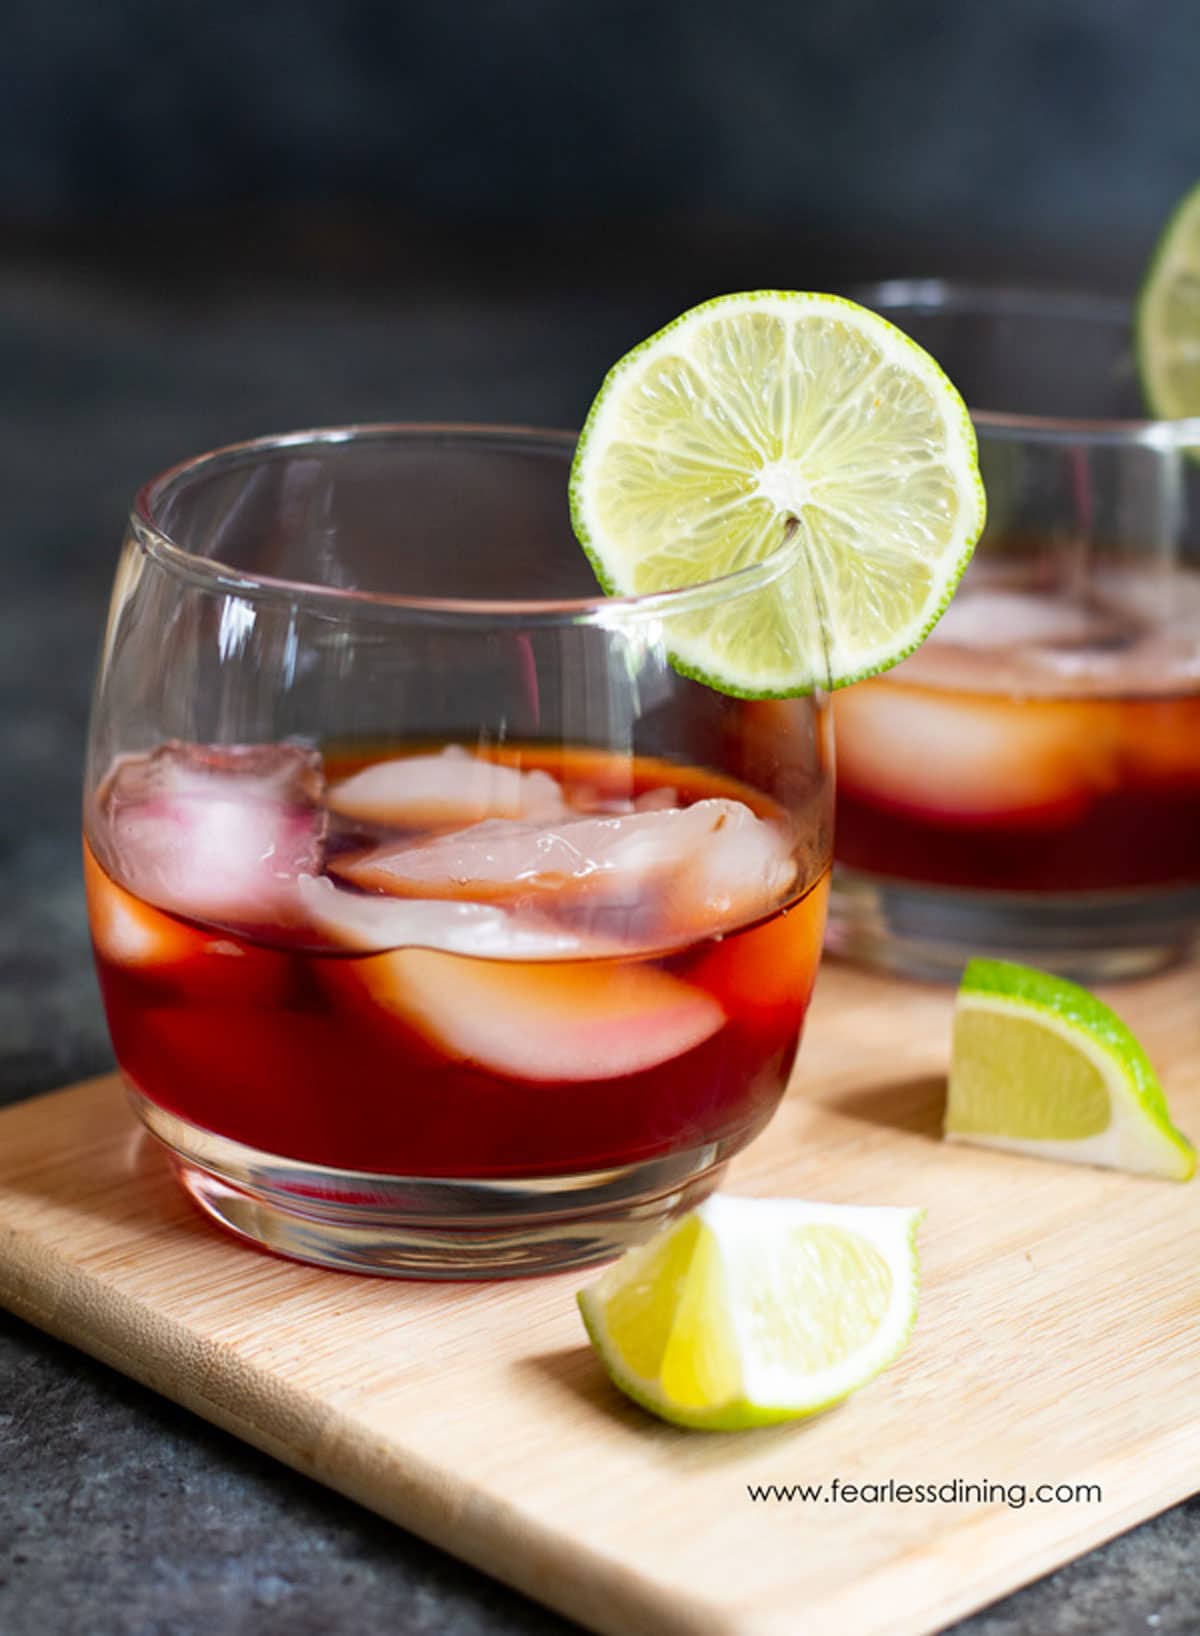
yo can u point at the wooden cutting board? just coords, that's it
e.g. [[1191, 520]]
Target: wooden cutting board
[[1058, 1343]]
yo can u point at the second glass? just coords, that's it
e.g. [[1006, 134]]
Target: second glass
[[443, 927], [1028, 783]]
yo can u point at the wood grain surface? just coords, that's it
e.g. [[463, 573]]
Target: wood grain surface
[[1058, 1343]]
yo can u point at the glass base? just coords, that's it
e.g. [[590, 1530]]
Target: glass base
[[426, 1226], [930, 932]]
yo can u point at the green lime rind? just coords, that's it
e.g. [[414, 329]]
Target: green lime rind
[[1042, 993], [740, 1413], [1170, 259], [812, 670]]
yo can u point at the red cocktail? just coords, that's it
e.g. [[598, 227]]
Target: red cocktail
[[1027, 784], [1039, 760], [449, 965], [445, 926]]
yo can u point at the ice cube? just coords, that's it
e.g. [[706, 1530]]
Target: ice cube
[[216, 833], [596, 802], [213, 969], [741, 869], [287, 773], [715, 862], [547, 1022], [971, 756], [660, 799], [358, 921], [990, 618], [448, 790], [129, 932]]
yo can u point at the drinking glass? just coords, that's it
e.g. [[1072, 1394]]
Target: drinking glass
[[1028, 783], [444, 928]]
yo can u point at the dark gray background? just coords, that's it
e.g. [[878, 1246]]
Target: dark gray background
[[1065, 121], [219, 221]]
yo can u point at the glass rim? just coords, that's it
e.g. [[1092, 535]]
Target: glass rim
[[601, 609], [933, 295]]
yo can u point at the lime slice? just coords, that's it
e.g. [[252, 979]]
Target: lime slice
[[1168, 317], [1042, 1066], [771, 419], [750, 1311]]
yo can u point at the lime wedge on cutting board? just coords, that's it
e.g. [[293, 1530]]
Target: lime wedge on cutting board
[[772, 419], [1041, 1066], [751, 1311]]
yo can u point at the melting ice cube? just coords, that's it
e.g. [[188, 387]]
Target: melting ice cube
[[969, 755], [715, 863], [366, 923], [128, 931], [217, 969], [217, 833], [660, 799], [548, 1022], [741, 866], [1017, 619], [448, 790]]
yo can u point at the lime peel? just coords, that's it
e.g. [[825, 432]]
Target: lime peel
[[748, 1312], [1041, 1066]]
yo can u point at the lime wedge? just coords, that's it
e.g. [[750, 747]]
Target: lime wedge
[[1168, 317], [1041, 1066], [777, 419], [751, 1311]]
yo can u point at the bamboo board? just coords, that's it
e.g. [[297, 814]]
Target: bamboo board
[[1058, 1342]]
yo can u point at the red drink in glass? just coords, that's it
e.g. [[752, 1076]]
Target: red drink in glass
[[443, 964], [1028, 794], [1037, 759], [1027, 784], [446, 927]]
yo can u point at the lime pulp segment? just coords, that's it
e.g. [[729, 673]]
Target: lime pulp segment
[[1041, 1066], [798, 425], [751, 1311]]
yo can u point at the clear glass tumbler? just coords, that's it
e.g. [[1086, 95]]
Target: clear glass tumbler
[[1028, 783], [443, 927]]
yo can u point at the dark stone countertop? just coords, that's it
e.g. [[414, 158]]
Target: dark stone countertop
[[120, 1515]]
